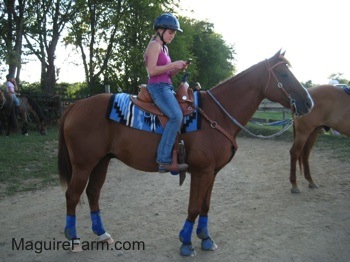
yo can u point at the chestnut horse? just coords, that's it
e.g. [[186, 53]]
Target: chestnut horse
[[88, 140], [332, 108], [28, 109]]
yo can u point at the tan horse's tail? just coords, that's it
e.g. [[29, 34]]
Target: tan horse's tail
[[64, 163]]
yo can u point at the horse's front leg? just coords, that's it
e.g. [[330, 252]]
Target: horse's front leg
[[200, 185], [202, 229], [293, 166]]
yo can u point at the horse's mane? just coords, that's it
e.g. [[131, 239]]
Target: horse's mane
[[36, 108], [244, 72]]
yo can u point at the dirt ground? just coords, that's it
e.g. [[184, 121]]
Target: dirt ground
[[253, 216]]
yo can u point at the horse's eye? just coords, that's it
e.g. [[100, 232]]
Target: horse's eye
[[283, 74]]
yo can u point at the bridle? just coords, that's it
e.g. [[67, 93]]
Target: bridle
[[279, 85], [292, 102]]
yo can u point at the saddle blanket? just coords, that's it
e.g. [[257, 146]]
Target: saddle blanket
[[347, 90], [122, 110]]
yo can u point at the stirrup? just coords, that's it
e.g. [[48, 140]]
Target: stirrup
[[164, 168]]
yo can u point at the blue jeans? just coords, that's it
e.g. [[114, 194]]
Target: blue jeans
[[15, 99], [163, 96]]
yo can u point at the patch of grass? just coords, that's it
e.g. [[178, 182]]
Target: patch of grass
[[28, 162]]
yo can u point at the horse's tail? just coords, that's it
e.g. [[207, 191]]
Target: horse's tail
[[308, 145], [36, 108], [64, 163]]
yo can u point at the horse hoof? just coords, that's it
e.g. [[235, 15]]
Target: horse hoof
[[75, 246], [106, 238], [208, 245], [295, 190], [187, 250], [313, 185]]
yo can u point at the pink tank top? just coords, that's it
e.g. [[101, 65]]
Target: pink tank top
[[163, 59]]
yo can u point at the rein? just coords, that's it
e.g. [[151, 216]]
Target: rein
[[279, 85]]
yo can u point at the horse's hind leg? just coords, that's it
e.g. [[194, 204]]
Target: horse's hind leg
[[305, 157], [75, 189], [93, 190]]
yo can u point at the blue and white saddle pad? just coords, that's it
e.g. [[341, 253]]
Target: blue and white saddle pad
[[122, 110]]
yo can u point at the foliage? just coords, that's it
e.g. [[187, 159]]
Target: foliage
[[67, 90], [111, 37], [45, 23], [11, 28], [339, 77], [307, 84], [212, 57]]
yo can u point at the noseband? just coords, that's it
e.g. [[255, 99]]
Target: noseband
[[292, 102]]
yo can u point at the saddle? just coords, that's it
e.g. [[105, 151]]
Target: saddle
[[184, 96]]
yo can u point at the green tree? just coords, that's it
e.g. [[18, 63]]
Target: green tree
[[45, 23], [339, 77], [212, 57], [308, 84], [11, 28], [110, 36]]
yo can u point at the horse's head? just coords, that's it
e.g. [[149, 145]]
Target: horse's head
[[283, 87]]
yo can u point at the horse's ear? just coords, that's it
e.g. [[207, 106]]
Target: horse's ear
[[283, 53], [278, 54]]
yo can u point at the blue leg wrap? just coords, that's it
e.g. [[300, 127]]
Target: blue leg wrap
[[202, 228], [97, 225], [70, 231], [186, 233], [203, 233]]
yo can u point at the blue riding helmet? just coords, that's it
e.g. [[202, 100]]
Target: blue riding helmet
[[167, 21], [10, 76]]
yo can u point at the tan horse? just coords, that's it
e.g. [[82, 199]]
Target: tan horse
[[332, 108], [88, 140]]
